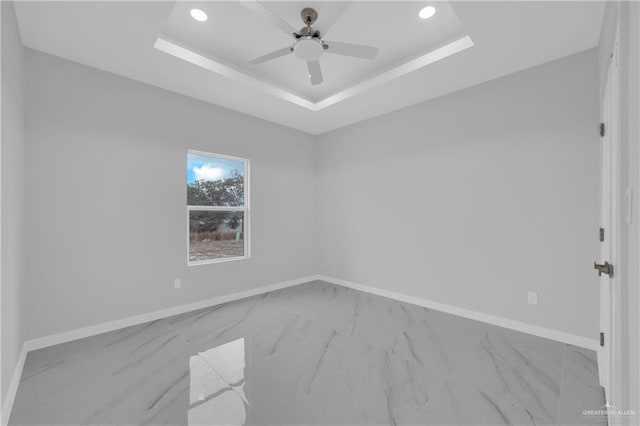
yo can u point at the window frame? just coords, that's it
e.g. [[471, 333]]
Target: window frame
[[244, 209]]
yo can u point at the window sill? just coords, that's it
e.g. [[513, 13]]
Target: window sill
[[219, 260]]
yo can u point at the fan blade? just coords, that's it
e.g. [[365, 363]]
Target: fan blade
[[259, 9], [349, 49], [273, 55], [315, 72], [325, 25]]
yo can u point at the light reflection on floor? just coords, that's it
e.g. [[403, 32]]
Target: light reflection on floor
[[210, 397]]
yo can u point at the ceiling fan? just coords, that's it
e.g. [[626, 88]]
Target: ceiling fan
[[308, 44]]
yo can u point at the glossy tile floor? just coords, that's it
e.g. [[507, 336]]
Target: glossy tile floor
[[311, 354]]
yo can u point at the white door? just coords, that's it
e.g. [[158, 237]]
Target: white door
[[609, 229]]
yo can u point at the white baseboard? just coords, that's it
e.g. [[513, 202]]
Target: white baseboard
[[93, 330], [547, 333], [7, 405]]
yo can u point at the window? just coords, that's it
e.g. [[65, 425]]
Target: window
[[217, 207]]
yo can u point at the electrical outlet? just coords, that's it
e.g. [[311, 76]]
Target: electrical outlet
[[532, 298], [177, 283]]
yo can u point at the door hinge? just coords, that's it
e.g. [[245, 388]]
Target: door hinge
[[601, 234], [603, 268], [601, 130], [601, 339]]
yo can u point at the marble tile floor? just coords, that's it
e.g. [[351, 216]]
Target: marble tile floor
[[312, 354]]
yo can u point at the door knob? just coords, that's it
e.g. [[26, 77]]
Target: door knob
[[605, 268]]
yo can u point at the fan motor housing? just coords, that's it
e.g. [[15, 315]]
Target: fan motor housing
[[308, 48], [308, 15]]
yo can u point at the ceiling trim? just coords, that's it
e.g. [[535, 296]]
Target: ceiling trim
[[174, 48], [435, 55]]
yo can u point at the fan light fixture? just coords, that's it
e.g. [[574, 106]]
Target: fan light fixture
[[308, 49], [308, 44], [427, 12], [198, 15]]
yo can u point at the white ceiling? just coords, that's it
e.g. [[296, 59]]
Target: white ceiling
[[119, 37], [234, 34]]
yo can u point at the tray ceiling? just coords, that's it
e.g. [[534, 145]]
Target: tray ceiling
[[233, 33], [494, 38]]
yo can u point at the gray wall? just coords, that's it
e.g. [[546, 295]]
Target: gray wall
[[106, 207], [13, 289], [493, 191], [626, 16]]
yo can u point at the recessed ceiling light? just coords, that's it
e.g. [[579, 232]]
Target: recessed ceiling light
[[427, 12], [199, 15]]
